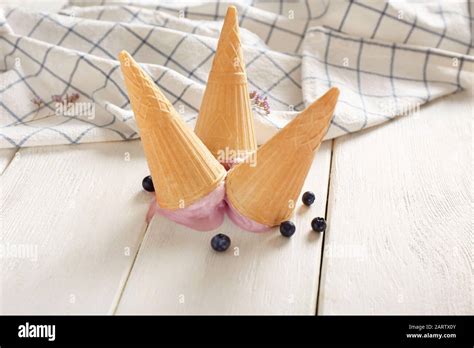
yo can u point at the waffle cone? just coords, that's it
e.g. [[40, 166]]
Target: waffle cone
[[266, 192], [225, 122], [182, 168]]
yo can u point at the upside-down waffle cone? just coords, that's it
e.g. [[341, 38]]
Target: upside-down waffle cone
[[225, 122], [267, 190], [182, 168]]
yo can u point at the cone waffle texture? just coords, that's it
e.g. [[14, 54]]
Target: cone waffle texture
[[267, 192], [225, 121], [182, 168]]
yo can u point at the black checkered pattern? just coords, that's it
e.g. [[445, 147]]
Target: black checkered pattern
[[333, 72], [300, 51]]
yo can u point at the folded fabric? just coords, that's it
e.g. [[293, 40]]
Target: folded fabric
[[60, 80]]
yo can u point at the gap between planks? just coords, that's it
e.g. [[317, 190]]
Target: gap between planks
[[321, 261], [7, 156], [118, 298]]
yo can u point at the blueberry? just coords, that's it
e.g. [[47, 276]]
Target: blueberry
[[147, 184], [308, 198], [220, 242], [318, 224], [287, 228]]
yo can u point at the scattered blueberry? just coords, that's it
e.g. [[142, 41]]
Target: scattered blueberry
[[308, 198], [147, 184], [287, 228], [220, 242], [318, 224]]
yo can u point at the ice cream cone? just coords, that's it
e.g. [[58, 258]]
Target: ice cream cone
[[266, 191], [225, 122], [182, 168]]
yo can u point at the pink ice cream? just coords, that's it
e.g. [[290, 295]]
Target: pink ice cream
[[244, 222], [203, 215], [207, 213]]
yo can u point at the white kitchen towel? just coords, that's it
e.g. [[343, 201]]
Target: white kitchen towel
[[60, 82]]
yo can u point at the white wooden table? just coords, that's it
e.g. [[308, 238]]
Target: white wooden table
[[397, 198]]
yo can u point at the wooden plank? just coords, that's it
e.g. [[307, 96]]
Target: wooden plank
[[76, 214], [400, 216], [177, 272]]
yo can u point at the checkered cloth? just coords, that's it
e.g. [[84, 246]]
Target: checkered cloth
[[386, 58]]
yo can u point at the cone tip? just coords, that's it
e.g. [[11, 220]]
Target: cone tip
[[330, 97], [123, 56], [231, 17], [333, 92], [231, 12], [323, 107]]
